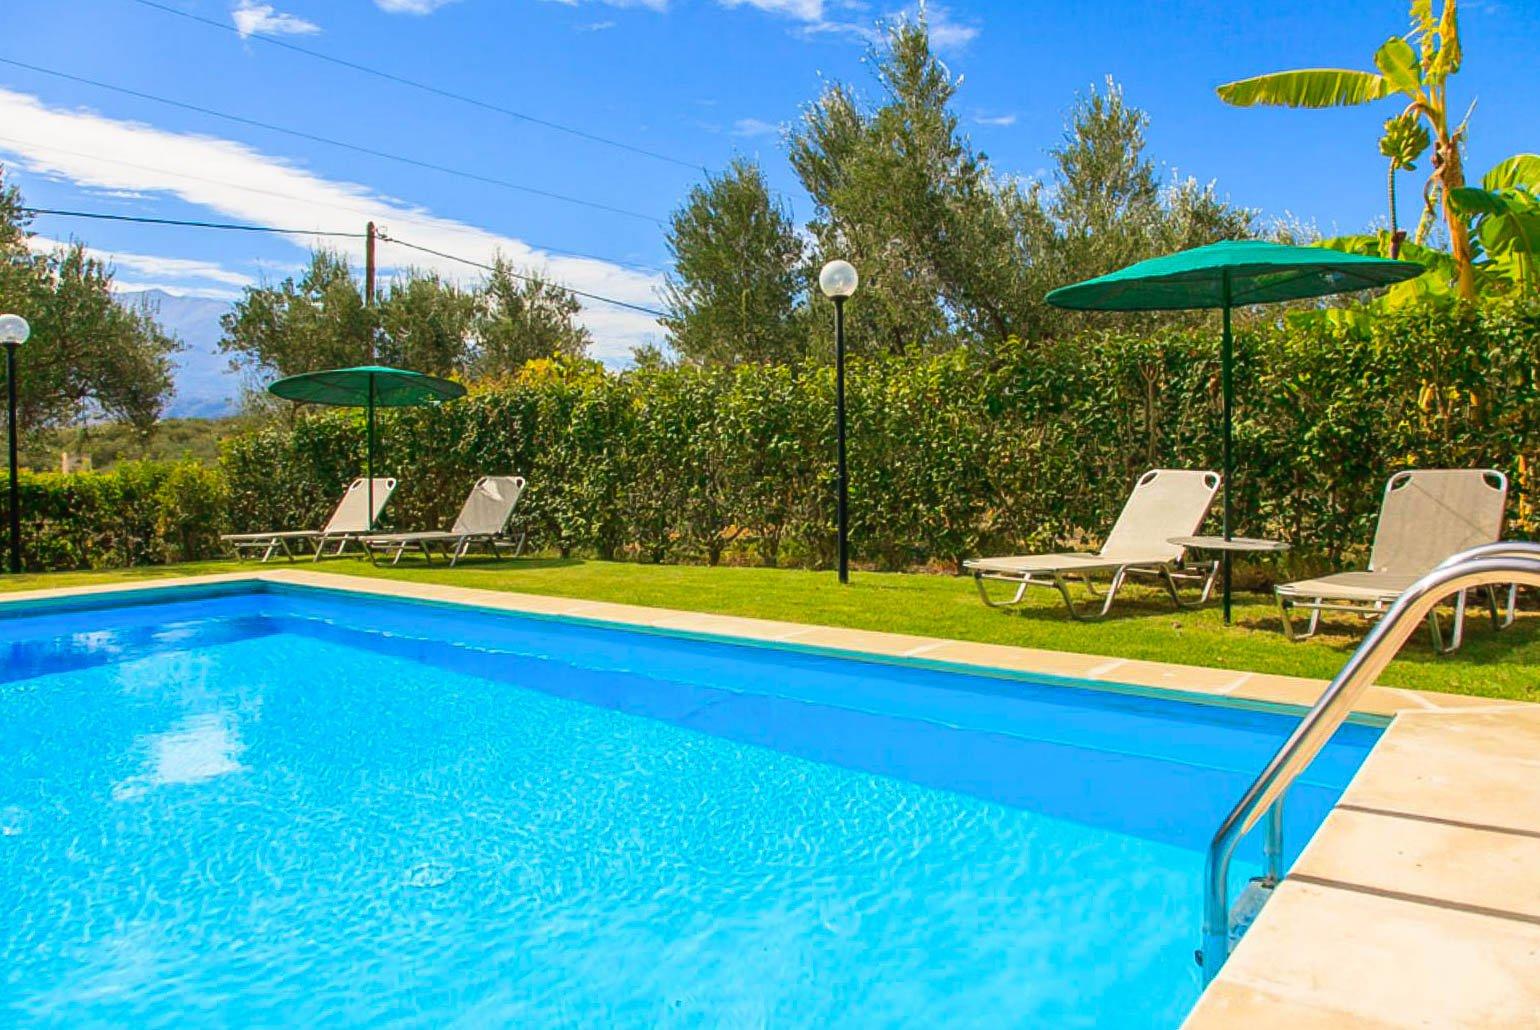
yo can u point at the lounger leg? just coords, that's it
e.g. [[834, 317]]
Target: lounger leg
[[1289, 631], [1208, 582], [461, 546], [1288, 623], [1500, 620], [1457, 630], [1062, 582], [1021, 591]]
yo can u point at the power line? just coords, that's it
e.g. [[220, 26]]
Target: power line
[[329, 141], [146, 220], [527, 278], [194, 224], [297, 199], [425, 87]]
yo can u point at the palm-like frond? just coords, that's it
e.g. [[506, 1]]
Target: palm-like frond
[[1308, 87]]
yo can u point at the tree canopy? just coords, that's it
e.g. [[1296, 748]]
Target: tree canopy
[[89, 355], [950, 250], [739, 272], [421, 321]]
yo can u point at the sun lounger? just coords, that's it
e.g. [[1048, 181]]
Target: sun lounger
[[483, 520], [1427, 516], [1165, 503], [351, 520]]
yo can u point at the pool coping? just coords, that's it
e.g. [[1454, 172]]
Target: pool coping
[[1414, 904]]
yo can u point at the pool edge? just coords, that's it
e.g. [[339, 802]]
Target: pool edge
[[1378, 913]]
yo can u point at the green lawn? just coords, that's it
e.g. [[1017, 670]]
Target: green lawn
[[1493, 664]]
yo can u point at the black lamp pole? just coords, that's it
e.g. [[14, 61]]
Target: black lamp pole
[[839, 431], [15, 487]]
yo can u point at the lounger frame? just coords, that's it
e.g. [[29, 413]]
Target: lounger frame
[[294, 544], [1293, 598], [472, 528], [1163, 504], [1169, 573]]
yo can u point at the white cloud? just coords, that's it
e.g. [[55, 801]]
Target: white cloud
[[814, 17], [996, 121], [803, 10], [244, 184], [652, 5], [755, 127], [250, 17], [173, 268], [946, 34], [411, 6], [596, 26]]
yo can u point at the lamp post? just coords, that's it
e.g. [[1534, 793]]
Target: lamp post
[[14, 331], [838, 281]]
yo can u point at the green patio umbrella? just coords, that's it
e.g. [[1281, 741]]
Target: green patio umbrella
[[367, 387], [1227, 275]]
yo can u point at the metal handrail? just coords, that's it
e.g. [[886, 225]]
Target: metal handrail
[[1487, 565]]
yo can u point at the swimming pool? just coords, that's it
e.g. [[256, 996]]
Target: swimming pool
[[277, 804]]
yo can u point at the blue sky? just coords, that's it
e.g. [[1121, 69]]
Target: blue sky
[[698, 80]]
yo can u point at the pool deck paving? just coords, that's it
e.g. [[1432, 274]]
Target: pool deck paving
[[1417, 902]]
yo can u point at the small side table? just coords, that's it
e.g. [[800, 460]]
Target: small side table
[[1235, 543]]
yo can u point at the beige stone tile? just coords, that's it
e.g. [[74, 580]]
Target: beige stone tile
[[1373, 960], [1226, 1006], [860, 640], [1194, 678], [1437, 860], [1292, 690], [107, 589], [1481, 768], [609, 612], [730, 625], [1017, 659]]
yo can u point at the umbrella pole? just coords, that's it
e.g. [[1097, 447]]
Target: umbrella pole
[[1227, 386], [369, 458]]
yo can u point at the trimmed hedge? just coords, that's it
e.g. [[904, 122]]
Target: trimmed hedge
[[137, 513], [953, 455], [1031, 446]]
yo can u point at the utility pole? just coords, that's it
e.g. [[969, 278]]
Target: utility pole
[[369, 280], [369, 266]]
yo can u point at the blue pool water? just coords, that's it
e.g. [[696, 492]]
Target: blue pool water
[[299, 807]]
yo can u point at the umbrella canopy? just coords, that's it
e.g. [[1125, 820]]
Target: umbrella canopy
[[1232, 273], [358, 387], [1226, 275], [367, 387]]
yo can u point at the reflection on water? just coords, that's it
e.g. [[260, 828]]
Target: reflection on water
[[197, 749]]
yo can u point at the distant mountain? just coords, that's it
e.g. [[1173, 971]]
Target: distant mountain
[[205, 386]]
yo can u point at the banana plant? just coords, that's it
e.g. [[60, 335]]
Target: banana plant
[[1505, 215], [1504, 221], [1419, 77], [1403, 142]]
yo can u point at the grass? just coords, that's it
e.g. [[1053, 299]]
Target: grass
[[1143, 626]]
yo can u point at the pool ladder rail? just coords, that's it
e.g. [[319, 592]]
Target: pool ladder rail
[[1511, 563]]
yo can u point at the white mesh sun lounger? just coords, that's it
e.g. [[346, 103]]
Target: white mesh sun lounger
[[483, 520], [350, 521], [1165, 503], [1427, 515]]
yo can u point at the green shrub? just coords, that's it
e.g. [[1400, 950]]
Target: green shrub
[[138, 513], [1031, 446]]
